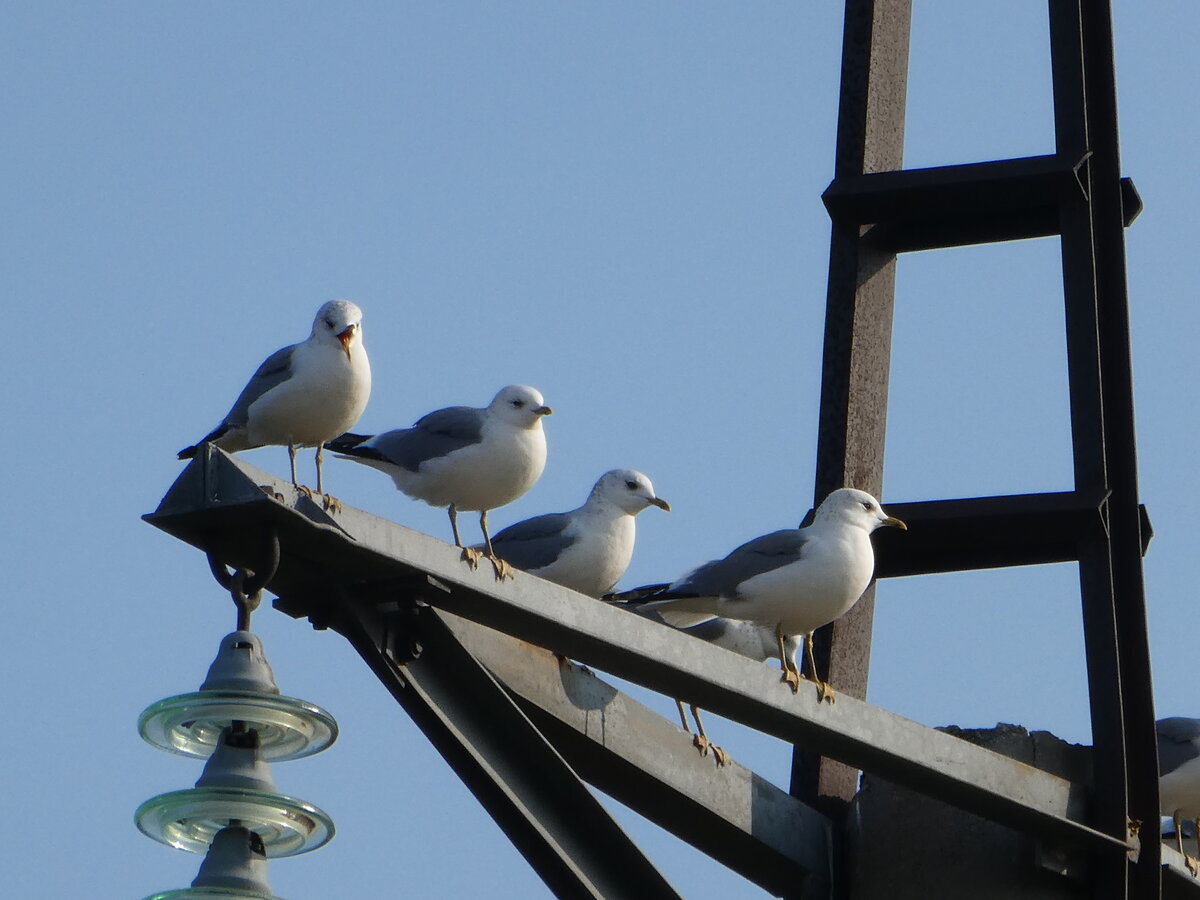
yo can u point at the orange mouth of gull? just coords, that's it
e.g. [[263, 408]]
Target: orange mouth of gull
[[346, 337]]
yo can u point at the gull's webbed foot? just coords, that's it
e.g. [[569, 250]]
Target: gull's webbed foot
[[471, 557], [704, 745], [825, 692], [792, 678], [503, 570], [331, 503], [700, 739]]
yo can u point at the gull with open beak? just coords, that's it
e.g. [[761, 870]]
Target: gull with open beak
[[302, 395]]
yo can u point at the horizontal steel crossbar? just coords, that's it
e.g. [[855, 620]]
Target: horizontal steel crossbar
[[974, 203], [990, 532]]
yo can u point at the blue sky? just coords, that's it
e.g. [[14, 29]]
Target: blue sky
[[617, 203]]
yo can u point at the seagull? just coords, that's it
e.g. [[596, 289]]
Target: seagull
[[750, 639], [302, 395], [793, 581], [589, 548], [1179, 774], [463, 458]]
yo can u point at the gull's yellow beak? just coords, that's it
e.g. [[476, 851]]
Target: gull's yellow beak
[[892, 520], [661, 503], [543, 410]]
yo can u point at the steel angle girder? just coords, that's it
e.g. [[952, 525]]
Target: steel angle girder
[[363, 549], [651, 766], [535, 797]]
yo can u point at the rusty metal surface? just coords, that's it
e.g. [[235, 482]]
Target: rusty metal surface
[[879, 209], [858, 332]]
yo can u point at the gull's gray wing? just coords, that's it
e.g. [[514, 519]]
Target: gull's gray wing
[[716, 630], [750, 639], [534, 543], [1178, 741], [746, 638], [722, 577], [434, 435], [276, 369]]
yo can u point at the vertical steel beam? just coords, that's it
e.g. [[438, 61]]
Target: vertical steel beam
[[1124, 519], [1101, 387], [858, 334], [1086, 387]]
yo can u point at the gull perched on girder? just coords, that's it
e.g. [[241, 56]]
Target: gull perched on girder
[[794, 580], [463, 458], [302, 395], [1179, 775], [589, 548]]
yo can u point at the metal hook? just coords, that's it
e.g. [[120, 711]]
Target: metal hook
[[245, 585]]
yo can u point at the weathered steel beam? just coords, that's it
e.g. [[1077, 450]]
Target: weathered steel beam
[[858, 334], [219, 504]]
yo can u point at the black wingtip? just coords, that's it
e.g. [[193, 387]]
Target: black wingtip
[[215, 435], [344, 442], [348, 443], [638, 595]]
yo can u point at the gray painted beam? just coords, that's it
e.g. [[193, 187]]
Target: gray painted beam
[[218, 503], [560, 828], [1177, 882], [649, 764]]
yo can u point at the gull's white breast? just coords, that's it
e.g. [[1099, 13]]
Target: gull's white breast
[[598, 558], [1180, 790], [325, 395], [820, 587]]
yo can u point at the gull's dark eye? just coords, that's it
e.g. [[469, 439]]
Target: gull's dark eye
[[632, 485], [866, 504], [518, 403]]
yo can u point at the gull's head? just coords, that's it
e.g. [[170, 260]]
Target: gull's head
[[520, 405], [856, 507], [341, 321], [628, 490]]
